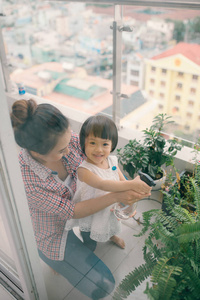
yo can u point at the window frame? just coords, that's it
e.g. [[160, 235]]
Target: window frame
[[30, 260], [14, 207], [156, 3]]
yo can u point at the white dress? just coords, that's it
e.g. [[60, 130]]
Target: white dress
[[103, 224]]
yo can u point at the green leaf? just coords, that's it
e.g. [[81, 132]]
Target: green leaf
[[133, 280], [188, 232]]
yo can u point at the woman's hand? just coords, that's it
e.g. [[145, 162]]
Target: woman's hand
[[130, 197], [89, 207], [140, 186]]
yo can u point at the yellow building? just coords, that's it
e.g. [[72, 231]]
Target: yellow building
[[173, 80]]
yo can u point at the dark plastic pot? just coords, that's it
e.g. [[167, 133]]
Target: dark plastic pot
[[189, 206]]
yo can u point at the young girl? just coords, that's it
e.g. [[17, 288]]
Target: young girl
[[100, 174]]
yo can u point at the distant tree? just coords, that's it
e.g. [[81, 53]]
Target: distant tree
[[195, 25], [179, 31]]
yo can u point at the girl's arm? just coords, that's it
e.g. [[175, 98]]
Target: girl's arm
[[111, 185], [137, 184], [121, 176]]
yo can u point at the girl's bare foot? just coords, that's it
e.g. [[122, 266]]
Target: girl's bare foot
[[118, 241]]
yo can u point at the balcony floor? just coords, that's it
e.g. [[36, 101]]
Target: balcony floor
[[119, 261]]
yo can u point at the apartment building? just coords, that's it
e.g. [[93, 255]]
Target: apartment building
[[172, 78], [135, 70]]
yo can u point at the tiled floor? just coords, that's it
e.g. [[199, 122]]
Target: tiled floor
[[119, 261]]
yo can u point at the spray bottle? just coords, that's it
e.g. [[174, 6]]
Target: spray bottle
[[124, 212]]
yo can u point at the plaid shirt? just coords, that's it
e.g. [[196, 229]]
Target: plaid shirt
[[50, 200]]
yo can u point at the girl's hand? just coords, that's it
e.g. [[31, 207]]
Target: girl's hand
[[140, 186]]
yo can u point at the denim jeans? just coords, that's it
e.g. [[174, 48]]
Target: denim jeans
[[82, 268]]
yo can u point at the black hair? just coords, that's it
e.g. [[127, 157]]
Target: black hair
[[37, 127], [100, 126]]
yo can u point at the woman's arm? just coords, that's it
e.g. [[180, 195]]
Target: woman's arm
[[91, 206], [97, 182]]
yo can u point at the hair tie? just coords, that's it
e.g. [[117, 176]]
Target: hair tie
[[114, 168]]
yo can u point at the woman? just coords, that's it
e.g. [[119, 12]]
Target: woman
[[49, 158]]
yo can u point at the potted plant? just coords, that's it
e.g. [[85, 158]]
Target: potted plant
[[181, 187], [181, 190], [171, 252], [152, 153]]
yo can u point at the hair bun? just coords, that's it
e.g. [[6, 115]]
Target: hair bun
[[22, 111]]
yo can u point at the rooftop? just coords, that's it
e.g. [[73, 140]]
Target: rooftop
[[91, 94], [128, 105], [138, 13], [191, 51]]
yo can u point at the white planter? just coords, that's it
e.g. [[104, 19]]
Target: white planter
[[159, 182]]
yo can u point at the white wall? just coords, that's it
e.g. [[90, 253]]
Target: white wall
[[183, 159]]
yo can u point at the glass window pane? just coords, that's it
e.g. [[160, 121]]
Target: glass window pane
[[8, 272], [66, 59], [166, 43], [4, 243], [55, 55]]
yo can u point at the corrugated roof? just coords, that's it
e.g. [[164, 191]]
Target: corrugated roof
[[128, 105], [91, 92]]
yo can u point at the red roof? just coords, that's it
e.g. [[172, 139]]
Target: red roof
[[137, 12], [191, 51]]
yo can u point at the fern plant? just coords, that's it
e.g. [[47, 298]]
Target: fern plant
[[171, 252]]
